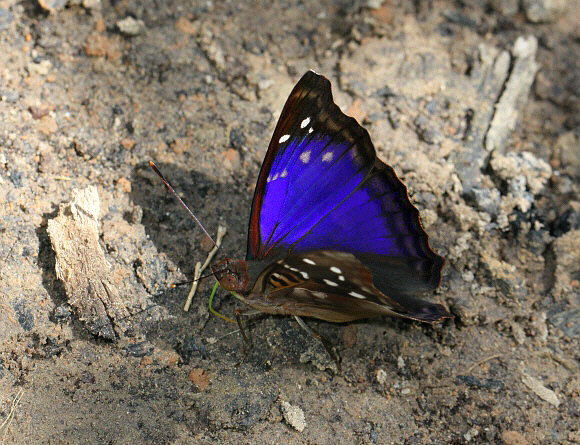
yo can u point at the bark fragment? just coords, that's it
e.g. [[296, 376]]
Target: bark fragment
[[83, 268]]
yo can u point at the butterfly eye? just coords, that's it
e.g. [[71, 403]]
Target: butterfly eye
[[229, 281]]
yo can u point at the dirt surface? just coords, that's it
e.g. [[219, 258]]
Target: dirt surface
[[475, 105]]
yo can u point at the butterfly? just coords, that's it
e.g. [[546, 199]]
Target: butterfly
[[332, 233]]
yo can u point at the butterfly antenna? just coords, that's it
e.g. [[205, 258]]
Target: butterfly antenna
[[168, 185], [183, 283]]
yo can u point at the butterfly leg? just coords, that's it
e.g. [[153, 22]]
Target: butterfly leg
[[248, 344], [327, 345]]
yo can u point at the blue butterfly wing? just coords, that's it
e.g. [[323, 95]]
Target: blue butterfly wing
[[321, 186]]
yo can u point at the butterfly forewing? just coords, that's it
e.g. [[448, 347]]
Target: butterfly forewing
[[313, 164], [322, 187]]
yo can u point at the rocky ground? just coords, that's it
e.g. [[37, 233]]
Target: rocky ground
[[475, 105]]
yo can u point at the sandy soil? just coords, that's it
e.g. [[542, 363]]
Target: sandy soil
[[475, 105]]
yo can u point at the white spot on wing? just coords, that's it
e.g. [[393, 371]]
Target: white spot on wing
[[284, 173], [308, 261], [284, 138], [305, 122], [310, 130], [340, 278], [304, 275], [305, 157], [330, 283], [327, 157], [357, 295], [335, 269]]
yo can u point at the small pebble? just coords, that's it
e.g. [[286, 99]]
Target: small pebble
[[10, 96], [200, 378], [91, 4], [400, 362], [6, 18], [52, 5], [294, 416], [382, 377], [543, 11], [131, 27], [513, 438], [541, 391]]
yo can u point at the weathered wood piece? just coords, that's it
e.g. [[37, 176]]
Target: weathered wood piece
[[489, 74], [83, 268], [515, 95], [502, 97]]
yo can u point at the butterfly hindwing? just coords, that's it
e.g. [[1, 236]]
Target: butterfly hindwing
[[334, 286]]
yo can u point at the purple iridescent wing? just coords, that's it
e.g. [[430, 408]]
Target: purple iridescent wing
[[321, 187]]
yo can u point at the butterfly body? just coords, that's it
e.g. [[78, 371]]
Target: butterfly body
[[332, 232]]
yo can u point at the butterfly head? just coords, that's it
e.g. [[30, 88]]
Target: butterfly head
[[232, 275]]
